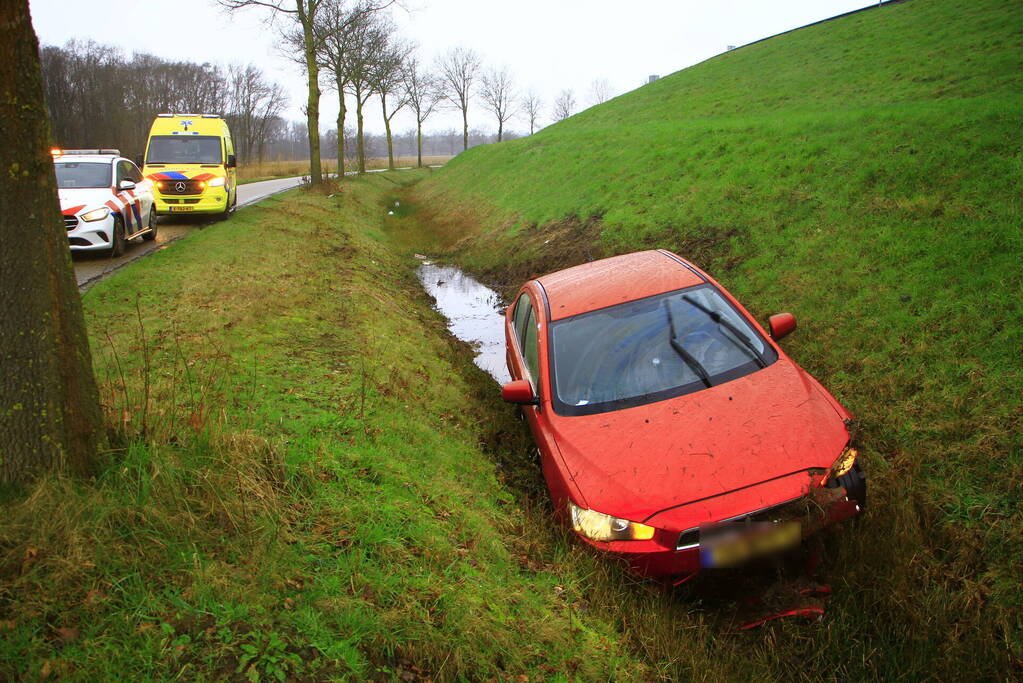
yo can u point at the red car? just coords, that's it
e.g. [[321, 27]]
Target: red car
[[673, 430]]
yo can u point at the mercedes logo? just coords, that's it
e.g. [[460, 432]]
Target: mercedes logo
[[179, 187]]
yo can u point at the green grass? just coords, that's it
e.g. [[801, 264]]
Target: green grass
[[310, 480], [867, 175]]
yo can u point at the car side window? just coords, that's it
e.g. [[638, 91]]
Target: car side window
[[134, 174], [123, 173], [522, 308], [530, 349]]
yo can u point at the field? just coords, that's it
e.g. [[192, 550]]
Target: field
[[308, 479], [268, 170], [864, 174], [301, 488]]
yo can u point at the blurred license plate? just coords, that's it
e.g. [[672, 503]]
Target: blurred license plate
[[181, 208], [729, 545]]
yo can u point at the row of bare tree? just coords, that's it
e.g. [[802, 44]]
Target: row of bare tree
[[97, 97], [354, 46]]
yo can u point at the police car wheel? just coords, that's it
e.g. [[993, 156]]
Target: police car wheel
[[117, 245], [150, 235]]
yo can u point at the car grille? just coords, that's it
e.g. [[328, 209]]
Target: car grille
[[181, 186], [78, 242], [792, 509], [70, 222], [182, 201]]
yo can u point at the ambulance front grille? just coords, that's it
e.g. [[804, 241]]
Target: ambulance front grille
[[181, 187]]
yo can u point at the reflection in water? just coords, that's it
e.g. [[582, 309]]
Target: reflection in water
[[472, 313]]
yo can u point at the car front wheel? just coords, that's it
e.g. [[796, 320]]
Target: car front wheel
[[117, 241], [150, 235]]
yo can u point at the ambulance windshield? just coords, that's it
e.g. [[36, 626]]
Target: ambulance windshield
[[184, 149]]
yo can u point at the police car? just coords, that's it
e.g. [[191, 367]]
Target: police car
[[104, 199]]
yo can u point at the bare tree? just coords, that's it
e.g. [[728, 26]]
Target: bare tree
[[49, 406], [531, 107], [600, 91], [564, 105], [252, 103], [498, 94], [423, 93], [387, 82], [334, 33], [368, 40], [305, 12], [459, 69]]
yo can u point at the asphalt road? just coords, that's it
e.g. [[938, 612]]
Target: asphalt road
[[92, 267]]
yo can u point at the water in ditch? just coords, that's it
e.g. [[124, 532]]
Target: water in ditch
[[473, 312]]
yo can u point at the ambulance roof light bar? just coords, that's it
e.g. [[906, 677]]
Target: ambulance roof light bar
[[205, 116]]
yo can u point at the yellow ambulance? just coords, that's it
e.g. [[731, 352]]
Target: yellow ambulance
[[190, 159]]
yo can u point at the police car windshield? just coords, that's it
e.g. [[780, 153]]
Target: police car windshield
[[73, 175], [184, 149]]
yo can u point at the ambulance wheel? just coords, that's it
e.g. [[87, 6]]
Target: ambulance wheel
[[151, 234], [117, 242]]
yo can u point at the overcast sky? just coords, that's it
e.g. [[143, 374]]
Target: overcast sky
[[548, 45]]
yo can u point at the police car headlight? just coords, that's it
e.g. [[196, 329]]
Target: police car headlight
[[217, 182], [96, 214]]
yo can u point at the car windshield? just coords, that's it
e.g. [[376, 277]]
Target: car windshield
[[183, 149], [651, 349], [72, 175]]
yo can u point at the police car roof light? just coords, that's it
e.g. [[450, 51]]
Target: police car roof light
[[115, 152]]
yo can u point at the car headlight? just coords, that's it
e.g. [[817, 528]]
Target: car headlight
[[96, 214], [842, 466], [600, 527], [217, 182]]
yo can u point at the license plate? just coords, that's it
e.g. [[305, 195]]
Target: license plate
[[180, 208], [732, 545]]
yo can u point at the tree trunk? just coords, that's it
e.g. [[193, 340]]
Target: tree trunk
[[313, 104], [359, 144], [465, 127], [500, 129], [341, 132], [49, 406], [387, 130], [419, 143]]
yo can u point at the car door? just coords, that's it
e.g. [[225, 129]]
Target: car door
[[143, 190], [526, 360]]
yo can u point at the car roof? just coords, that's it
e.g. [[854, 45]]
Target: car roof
[[84, 158], [615, 280]]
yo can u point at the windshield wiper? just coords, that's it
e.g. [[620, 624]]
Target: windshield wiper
[[720, 320], [680, 350]]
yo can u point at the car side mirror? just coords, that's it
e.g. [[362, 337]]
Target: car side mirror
[[232, 161], [781, 324], [126, 185], [519, 391]]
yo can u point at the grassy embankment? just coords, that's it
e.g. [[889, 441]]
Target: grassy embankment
[[309, 479], [867, 175], [270, 170]]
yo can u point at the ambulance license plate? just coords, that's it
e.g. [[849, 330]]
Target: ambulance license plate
[[180, 208]]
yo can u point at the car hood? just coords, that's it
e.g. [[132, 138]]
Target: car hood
[[83, 199], [638, 462]]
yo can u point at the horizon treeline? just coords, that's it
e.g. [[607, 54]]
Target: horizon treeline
[[98, 98]]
